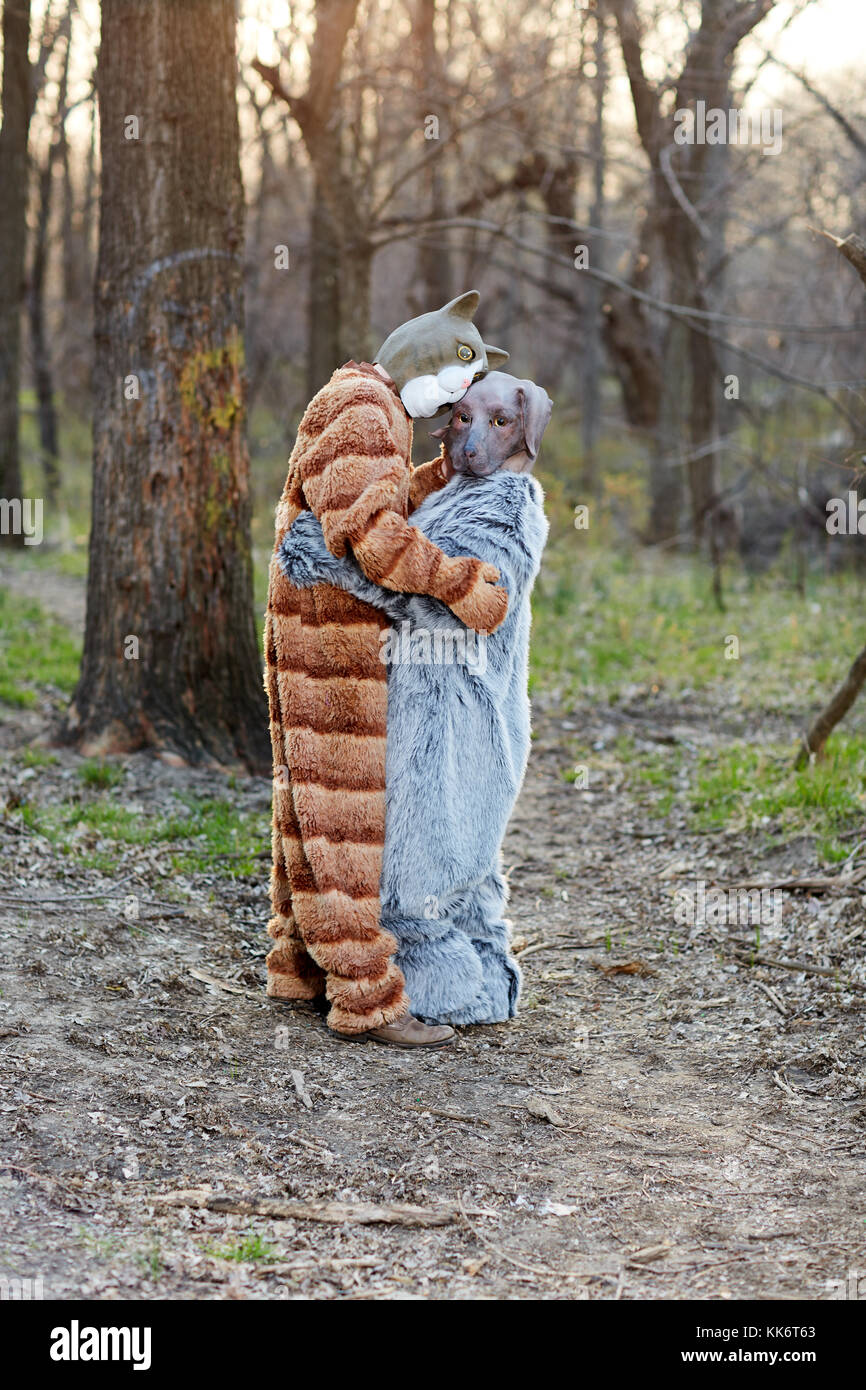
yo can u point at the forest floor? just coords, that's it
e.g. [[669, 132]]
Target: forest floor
[[667, 1118]]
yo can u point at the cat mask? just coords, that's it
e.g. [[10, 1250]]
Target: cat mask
[[433, 359]]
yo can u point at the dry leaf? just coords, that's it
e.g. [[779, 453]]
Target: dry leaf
[[543, 1110], [625, 967]]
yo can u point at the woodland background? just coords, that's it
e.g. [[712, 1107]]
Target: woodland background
[[702, 340], [681, 1103]]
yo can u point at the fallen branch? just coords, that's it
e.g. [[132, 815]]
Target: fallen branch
[[813, 742], [333, 1213], [773, 997], [805, 885], [828, 972]]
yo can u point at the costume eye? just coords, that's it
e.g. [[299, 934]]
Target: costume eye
[[464, 352]]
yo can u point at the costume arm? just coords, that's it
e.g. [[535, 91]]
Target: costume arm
[[350, 478], [306, 560], [426, 478]]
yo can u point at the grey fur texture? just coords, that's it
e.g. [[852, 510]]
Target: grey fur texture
[[458, 742]]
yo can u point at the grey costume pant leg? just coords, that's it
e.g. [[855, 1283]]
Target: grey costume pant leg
[[456, 958], [479, 915]]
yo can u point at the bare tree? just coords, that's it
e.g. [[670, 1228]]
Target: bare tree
[[170, 655], [675, 233], [17, 108], [338, 302]]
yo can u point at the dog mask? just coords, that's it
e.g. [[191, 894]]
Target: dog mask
[[497, 424]]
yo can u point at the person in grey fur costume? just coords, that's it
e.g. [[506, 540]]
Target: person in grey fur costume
[[457, 746]]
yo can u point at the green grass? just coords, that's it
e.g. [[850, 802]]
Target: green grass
[[37, 654], [150, 1262], [38, 757], [96, 773], [252, 1247], [755, 788], [743, 787], [204, 835], [606, 621]]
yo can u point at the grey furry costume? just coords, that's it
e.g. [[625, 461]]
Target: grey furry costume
[[457, 745]]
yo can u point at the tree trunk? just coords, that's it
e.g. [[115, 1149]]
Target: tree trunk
[[679, 185], [42, 373], [592, 327], [58, 153], [666, 456], [339, 278], [433, 262], [323, 303], [170, 655], [13, 237]]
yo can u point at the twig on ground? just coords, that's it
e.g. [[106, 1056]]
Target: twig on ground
[[228, 985], [789, 1090], [333, 1213], [773, 997], [826, 971], [807, 885], [447, 1114]]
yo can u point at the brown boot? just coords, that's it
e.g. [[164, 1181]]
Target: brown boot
[[407, 1032]]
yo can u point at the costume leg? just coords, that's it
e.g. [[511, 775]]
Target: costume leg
[[292, 973], [442, 971], [329, 804], [478, 916]]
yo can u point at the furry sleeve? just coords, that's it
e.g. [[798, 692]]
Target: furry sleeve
[[426, 478], [306, 561], [500, 518], [351, 477]]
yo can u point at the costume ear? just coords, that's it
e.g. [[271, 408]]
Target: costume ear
[[464, 306], [495, 356], [536, 406], [439, 434]]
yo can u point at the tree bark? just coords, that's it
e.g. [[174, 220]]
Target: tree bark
[[676, 236], [433, 263], [593, 321], [323, 295], [43, 374], [338, 305], [13, 238], [170, 655]]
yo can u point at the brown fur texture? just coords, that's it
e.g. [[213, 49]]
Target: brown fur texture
[[327, 695]]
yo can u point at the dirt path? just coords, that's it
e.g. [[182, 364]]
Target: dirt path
[[693, 1128]]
